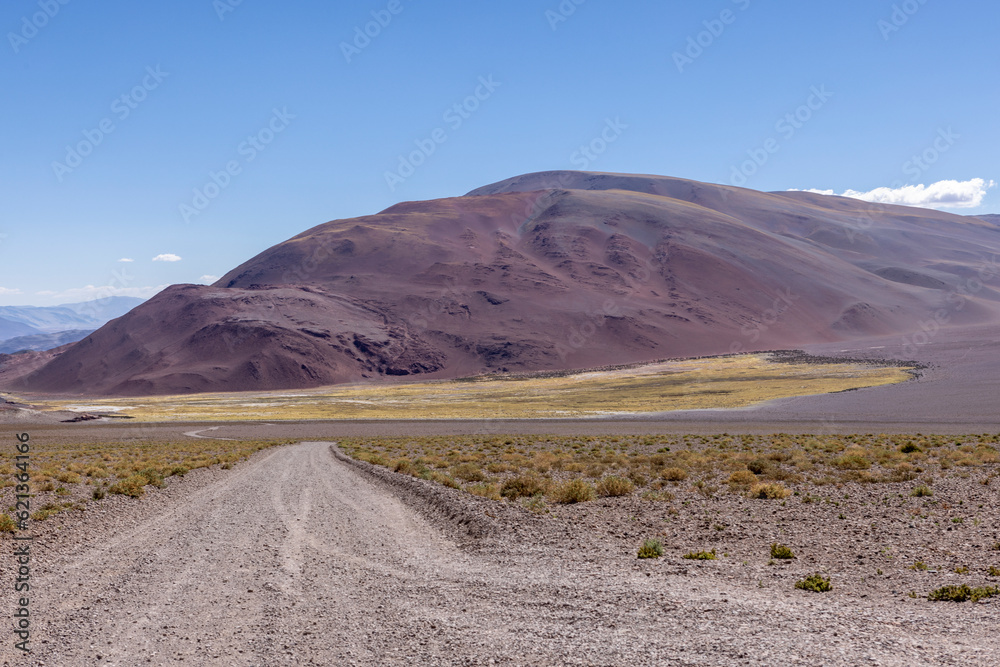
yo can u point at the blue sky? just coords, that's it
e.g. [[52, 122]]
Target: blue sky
[[204, 131]]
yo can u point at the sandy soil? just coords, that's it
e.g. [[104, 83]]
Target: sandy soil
[[300, 557]]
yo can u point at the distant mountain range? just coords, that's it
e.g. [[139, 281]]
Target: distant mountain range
[[46, 327], [45, 341], [547, 271]]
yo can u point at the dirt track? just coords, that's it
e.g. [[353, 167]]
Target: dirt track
[[297, 557]]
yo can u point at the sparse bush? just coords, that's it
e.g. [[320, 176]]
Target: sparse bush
[[910, 448], [68, 477], [574, 491], [674, 474], [700, 555], [769, 491], [651, 548], [153, 476], [816, 583], [994, 571], [962, 593], [919, 566], [98, 493], [760, 467], [524, 486], [445, 480], [742, 478], [179, 470], [658, 496], [781, 551], [613, 487], [132, 486], [7, 524], [921, 492], [469, 472], [404, 466], [490, 491]]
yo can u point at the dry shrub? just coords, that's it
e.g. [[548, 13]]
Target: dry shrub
[[445, 480], [490, 491], [574, 491], [612, 487], [469, 472], [674, 474], [524, 486], [132, 486], [769, 491], [742, 478]]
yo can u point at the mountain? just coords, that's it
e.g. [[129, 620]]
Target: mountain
[[42, 341], [70, 316], [556, 270], [10, 328], [991, 218]]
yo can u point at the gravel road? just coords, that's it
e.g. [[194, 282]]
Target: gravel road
[[298, 557]]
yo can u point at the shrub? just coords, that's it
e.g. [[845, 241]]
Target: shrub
[[700, 555], [962, 593], [153, 476], [921, 492], [445, 480], [674, 474], [816, 583], [769, 491], [760, 466], [469, 472], [68, 478], [130, 486], [524, 486], [742, 478], [852, 462], [781, 551], [489, 491], [910, 448], [651, 548], [575, 491], [404, 466], [98, 493], [919, 566], [613, 487], [7, 524], [994, 571], [179, 470]]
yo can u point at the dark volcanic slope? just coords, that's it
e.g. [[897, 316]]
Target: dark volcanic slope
[[551, 270]]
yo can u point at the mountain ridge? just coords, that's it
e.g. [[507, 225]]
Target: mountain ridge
[[553, 270]]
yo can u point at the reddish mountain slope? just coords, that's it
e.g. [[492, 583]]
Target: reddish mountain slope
[[544, 271]]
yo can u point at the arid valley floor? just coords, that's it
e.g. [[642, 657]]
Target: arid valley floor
[[264, 543]]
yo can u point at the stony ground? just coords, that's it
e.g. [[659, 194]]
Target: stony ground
[[299, 556]]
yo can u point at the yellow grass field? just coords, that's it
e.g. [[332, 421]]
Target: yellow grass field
[[721, 382]]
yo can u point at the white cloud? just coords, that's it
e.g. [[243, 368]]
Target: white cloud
[[207, 279], [126, 259], [9, 290], [167, 257], [943, 194]]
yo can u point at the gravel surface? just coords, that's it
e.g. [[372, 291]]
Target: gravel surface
[[301, 557]]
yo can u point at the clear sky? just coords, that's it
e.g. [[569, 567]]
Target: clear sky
[[117, 114]]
